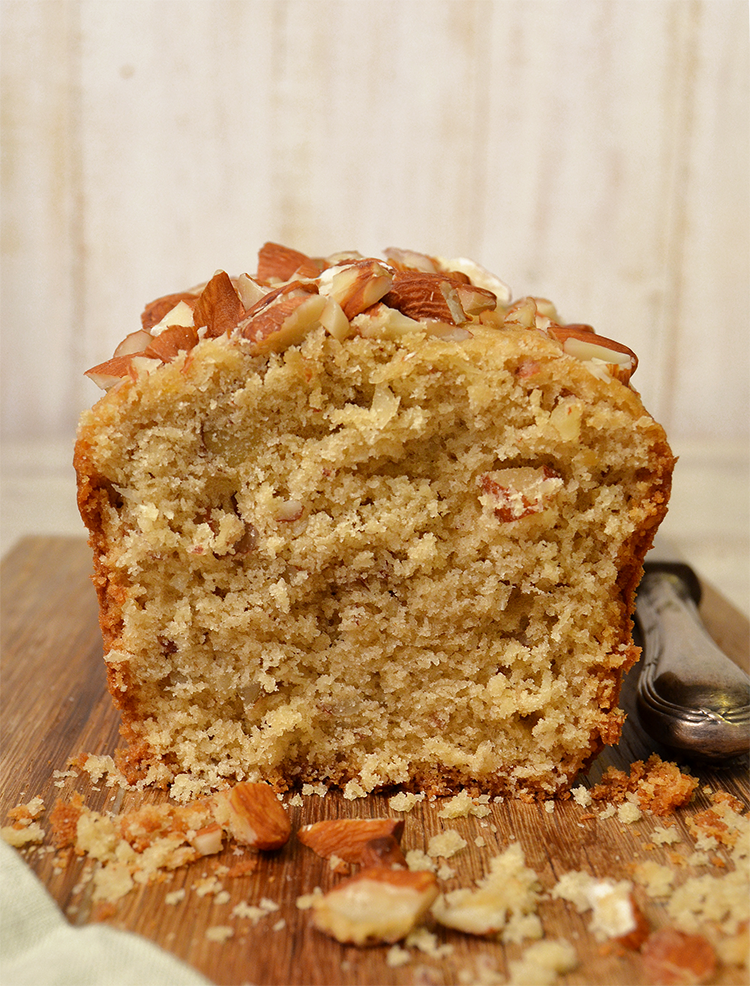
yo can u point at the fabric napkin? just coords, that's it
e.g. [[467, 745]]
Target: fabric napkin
[[38, 947]]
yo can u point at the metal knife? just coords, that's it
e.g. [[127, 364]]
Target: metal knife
[[690, 696]]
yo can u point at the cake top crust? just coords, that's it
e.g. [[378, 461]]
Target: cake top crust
[[349, 295]]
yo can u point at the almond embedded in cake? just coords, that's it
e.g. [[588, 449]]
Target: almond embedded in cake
[[366, 520]]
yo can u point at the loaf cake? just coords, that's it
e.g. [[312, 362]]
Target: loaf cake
[[367, 523]]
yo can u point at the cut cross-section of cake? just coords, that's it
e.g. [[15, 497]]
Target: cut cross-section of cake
[[367, 522]]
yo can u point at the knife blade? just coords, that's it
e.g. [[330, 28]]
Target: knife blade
[[690, 696]]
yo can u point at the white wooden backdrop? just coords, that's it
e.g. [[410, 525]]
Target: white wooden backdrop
[[592, 151]]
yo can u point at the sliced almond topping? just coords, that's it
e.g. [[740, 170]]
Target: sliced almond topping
[[181, 314], [410, 260], [584, 344], [155, 311], [219, 308], [524, 313], [380, 321], [348, 837], [342, 257], [479, 276], [292, 289], [285, 323], [575, 326], [376, 905], [136, 342], [425, 297], [250, 291], [447, 331], [112, 371], [356, 286], [334, 321], [450, 293], [475, 300], [277, 262], [174, 340], [253, 815]]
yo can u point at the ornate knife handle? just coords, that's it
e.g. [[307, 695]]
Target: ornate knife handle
[[690, 697]]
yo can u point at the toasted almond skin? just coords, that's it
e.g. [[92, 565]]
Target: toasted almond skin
[[382, 851], [674, 957], [360, 284], [284, 323], [219, 307], [348, 837], [419, 880], [277, 261], [109, 373], [294, 288], [422, 296], [175, 339], [585, 334]]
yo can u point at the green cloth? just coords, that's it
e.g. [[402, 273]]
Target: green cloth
[[38, 947]]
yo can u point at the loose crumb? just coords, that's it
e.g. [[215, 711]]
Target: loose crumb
[[462, 805], [660, 786], [446, 844], [404, 801]]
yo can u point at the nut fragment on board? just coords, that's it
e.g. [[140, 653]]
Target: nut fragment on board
[[253, 815], [376, 905], [503, 902], [137, 846], [674, 958], [348, 838]]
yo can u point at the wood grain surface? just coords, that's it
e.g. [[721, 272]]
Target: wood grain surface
[[55, 707]]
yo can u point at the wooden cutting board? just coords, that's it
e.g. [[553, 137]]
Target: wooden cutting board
[[55, 707]]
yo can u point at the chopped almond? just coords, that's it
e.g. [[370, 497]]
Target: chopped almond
[[674, 958], [219, 308], [279, 262], [348, 837], [253, 815], [174, 340], [377, 905], [156, 310]]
